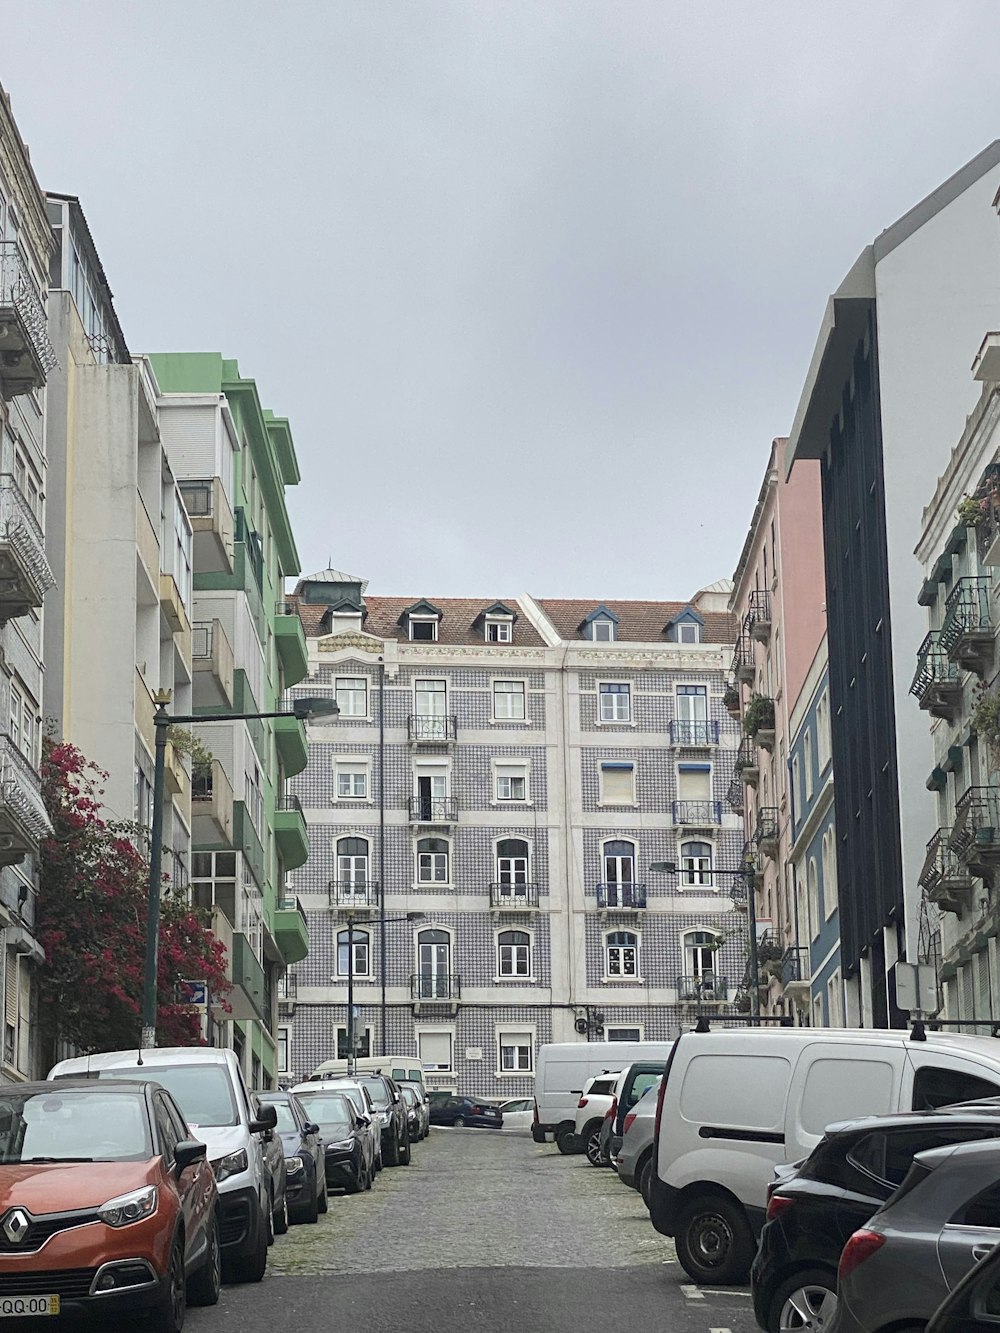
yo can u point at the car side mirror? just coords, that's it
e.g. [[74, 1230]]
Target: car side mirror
[[187, 1152], [364, 1120], [310, 1128], [267, 1118]]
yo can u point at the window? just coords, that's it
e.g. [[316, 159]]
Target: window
[[807, 761], [815, 920], [694, 795], [513, 953], [511, 782], [934, 1086], [691, 724], [22, 723], [621, 954], [433, 980], [430, 701], [982, 1211], [352, 780], [512, 865], [617, 783], [602, 631], [362, 953], [352, 868], [618, 856], [434, 1050], [284, 1050], [362, 1042], [432, 861], [623, 1034], [352, 696], [498, 631], [834, 1006], [700, 948], [823, 729], [254, 799], [696, 863], [797, 786], [423, 630], [829, 874], [508, 700], [515, 1052], [615, 702], [689, 631]]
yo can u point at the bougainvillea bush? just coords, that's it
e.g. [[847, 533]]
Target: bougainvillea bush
[[91, 921]]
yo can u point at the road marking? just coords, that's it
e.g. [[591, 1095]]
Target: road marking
[[747, 1295], [692, 1292], [720, 1330]]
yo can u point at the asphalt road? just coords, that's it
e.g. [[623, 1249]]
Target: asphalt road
[[483, 1233]]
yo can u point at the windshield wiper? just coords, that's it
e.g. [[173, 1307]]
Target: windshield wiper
[[56, 1159]]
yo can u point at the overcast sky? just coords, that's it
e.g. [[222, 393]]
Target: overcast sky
[[536, 283]]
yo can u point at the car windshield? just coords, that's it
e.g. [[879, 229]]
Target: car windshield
[[286, 1121], [68, 1125], [329, 1109], [409, 1095], [203, 1092], [377, 1092]]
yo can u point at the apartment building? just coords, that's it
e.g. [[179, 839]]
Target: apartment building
[[777, 605], [233, 459], [483, 815], [886, 394], [118, 622], [957, 685], [27, 360]]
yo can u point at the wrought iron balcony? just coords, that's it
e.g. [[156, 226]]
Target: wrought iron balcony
[[288, 994], [24, 821], [967, 630], [795, 974], [26, 354], [766, 830], [975, 835], [433, 810], [945, 878], [694, 732], [734, 796], [348, 893], [757, 621], [988, 528], [25, 576], [435, 986], [626, 897], [936, 685], [697, 813], [703, 988], [509, 897], [288, 802], [425, 730], [744, 668], [751, 865], [747, 766]]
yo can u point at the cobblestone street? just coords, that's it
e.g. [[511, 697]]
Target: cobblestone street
[[483, 1231]]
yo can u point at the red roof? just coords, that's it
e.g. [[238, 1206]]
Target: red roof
[[638, 622]]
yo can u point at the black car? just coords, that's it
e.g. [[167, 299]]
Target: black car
[[815, 1207], [388, 1102], [304, 1165], [344, 1154], [459, 1111]]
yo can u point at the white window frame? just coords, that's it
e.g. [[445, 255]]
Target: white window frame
[[370, 951], [422, 620], [807, 761], [814, 892], [687, 631], [631, 978], [523, 772], [363, 681], [823, 729], [525, 978], [831, 896], [835, 999], [528, 1030], [698, 873], [435, 1031], [602, 622], [343, 763], [419, 883], [504, 630], [637, 1028], [610, 764], [622, 690], [797, 786], [284, 1048], [509, 694]]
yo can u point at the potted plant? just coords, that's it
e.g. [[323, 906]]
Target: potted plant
[[985, 720], [758, 715], [731, 699], [973, 510]]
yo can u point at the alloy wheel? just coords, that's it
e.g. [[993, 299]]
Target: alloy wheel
[[811, 1307]]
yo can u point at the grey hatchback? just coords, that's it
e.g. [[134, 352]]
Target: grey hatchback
[[943, 1219]]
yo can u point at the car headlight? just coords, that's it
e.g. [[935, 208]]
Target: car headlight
[[340, 1146], [128, 1208], [230, 1165], [293, 1164]]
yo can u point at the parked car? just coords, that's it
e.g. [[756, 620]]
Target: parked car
[[630, 1088], [897, 1270], [388, 1103], [348, 1141], [814, 1208], [562, 1070], [207, 1084], [363, 1106], [459, 1111], [274, 1160], [109, 1204], [595, 1101], [519, 1113], [304, 1161], [634, 1160], [974, 1304], [740, 1101], [417, 1111]]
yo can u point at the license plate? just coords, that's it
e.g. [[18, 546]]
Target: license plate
[[17, 1307]]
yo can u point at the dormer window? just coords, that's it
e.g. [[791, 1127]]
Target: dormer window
[[602, 631], [423, 629], [499, 631], [601, 626], [689, 633], [497, 623], [685, 628]]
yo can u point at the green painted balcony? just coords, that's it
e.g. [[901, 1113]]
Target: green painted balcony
[[290, 832], [290, 642], [290, 740], [247, 995], [291, 930]]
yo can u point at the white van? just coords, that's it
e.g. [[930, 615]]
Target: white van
[[735, 1103], [400, 1068], [562, 1070], [207, 1084]]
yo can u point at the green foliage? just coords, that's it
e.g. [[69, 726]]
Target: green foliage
[[972, 510], [985, 720], [187, 743], [758, 715], [731, 698]]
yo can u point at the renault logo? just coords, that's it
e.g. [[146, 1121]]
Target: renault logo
[[15, 1225]]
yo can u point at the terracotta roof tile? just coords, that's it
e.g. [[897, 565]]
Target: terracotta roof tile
[[455, 627], [638, 622]]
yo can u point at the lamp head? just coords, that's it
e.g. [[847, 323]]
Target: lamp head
[[663, 867], [314, 708]]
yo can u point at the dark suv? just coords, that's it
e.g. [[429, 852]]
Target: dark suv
[[388, 1102], [815, 1206]]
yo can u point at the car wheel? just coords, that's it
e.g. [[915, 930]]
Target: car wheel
[[204, 1286], [279, 1220], [169, 1314], [566, 1141], [270, 1217], [806, 1300], [644, 1179], [714, 1241], [252, 1267], [405, 1154], [323, 1200], [369, 1177], [458, 1122], [591, 1137]]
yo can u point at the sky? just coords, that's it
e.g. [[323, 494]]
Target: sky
[[535, 281]]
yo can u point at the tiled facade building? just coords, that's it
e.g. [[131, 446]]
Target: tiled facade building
[[485, 809]]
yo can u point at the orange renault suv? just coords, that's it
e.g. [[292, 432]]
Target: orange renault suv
[[107, 1204]]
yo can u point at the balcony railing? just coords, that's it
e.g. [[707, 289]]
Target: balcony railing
[[621, 897], [988, 528], [945, 878], [746, 766], [24, 821], [703, 988], [353, 893], [697, 813], [795, 967], [765, 833], [254, 547], [936, 685], [289, 802], [734, 796], [25, 576], [758, 617], [975, 835], [26, 354], [966, 632], [694, 731], [288, 987], [514, 897], [433, 809], [424, 730], [435, 986], [744, 667]]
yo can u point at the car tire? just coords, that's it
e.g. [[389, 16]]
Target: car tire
[[311, 1211], [458, 1122], [279, 1220], [591, 1140], [405, 1154], [801, 1298], [323, 1199], [714, 1242], [270, 1217], [168, 1317], [204, 1286], [252, 1267], [393, 1157], [644, 1179], [566, 1141]]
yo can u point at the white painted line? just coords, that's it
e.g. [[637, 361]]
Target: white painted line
[[692, 1292], [720, 1330], [747, 1295]]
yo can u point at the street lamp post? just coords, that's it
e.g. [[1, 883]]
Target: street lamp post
[[303, 709]]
